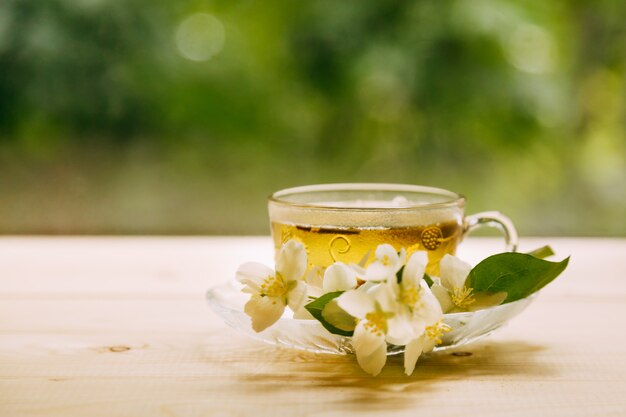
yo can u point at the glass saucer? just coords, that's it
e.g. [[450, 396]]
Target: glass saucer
[[228, 301]]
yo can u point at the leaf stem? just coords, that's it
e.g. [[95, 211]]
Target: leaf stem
[[542, 252]]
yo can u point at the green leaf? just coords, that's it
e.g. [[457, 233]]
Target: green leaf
[[399, 274], [428, 280], [517, 274], [338, 317], [316, 308]]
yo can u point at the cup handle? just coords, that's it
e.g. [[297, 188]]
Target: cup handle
[[493, 219]]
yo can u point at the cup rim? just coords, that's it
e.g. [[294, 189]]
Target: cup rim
[[456, 199]]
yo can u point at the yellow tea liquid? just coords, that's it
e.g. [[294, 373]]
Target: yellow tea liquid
[[326, 245]]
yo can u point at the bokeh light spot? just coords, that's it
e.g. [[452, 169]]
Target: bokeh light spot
[[531, 48], [200, 37], [382, 96]]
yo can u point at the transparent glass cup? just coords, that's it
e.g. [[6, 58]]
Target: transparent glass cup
[[346, 222]]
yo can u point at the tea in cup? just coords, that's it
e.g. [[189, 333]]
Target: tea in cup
[[346, 222]]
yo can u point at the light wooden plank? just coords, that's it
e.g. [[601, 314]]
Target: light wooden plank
[[123, 266], [87, 334]]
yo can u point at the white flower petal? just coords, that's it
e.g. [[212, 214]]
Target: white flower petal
[[264, 311], [338, 277], [292, 260], [356, 303], [314, 292], [253, 274], [428, 345], [376, 271], [297, 296], [401, 328], [303, 314], [315, 277], [385, 298], [431, 310], [359, 271], [374, 362], [386, 251], [387, 263], [419, 325], [414, 270], [369, 286], [363, 261], [393, 287], [401, 258], [443, 296], [412, 352], [453, 272], [365, 341]]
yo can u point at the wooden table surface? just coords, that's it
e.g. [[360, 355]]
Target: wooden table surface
[[119, 327]]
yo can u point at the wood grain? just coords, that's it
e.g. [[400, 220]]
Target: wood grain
[[119, 327]]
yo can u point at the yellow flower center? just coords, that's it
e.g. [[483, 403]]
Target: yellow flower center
[[437, 330], [463, 297], [411, 296], [273, 286], [376, 323], [386, 261]]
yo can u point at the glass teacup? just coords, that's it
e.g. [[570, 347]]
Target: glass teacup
[[346, 222]]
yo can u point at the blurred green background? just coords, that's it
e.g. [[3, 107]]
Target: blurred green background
[[180, 117]]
